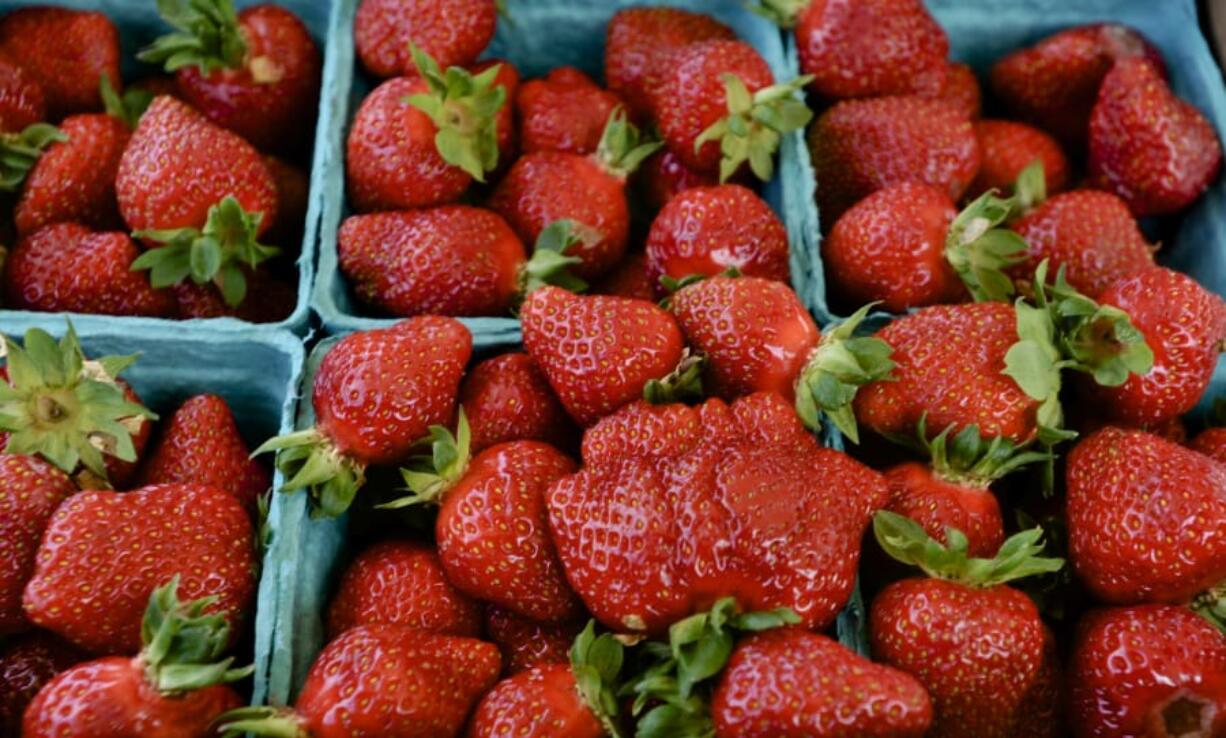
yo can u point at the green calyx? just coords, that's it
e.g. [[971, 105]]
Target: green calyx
[[268, 722], [1019, 556], [217, 253], [783, 13], [67, 410], [596, 662], [969, 459], [183, 647], [19, 152], [841, 364], [429, 476], [312, 462], [464, 109], [979, 249], [551, 262], [755, 125], [682, 384], [206, 36], [623, 147], [1211, 605], [129, 107], [1029, 189]]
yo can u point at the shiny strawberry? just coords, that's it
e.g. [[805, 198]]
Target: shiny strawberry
[[453, 31], [27, 662], [1156, 151], [564, 111], [507, 398], [957, 87], [628, 279], [861, 146], [663, 175], [66, 51], [21, 98], [401, 583], [1006, 148], [526, 643], [33, 489]]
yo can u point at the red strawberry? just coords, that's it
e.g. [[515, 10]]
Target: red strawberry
[[453, 31], [255, 73], [158, 84], [592, 362], [26, 664], [66, 51], [201, 444], [958, 88], [369, 682], [698, 504], [1144, 518], [507, 398], [21, 98], [32, 491], [1212, 443], [268, 299], [293, 188], [1053, 83], [1006, 148], [176, 685], [401, 583], [708, 230], [637, 39], [831, 692], [84, 590], [628, 279], [1151, 670], [375, 394], [1154, 150], [526, 643], [663, 175], [565, 111], [66, 267], [860, 146]]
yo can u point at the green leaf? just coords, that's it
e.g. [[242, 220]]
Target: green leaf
[[128, 108], [752, 130], [623, 147], [429, 476], [1029, 189], [980, 250], [596, 662], [551, 259], [20, 151], [206, 36]]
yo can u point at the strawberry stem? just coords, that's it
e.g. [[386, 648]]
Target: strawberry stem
[[183, 646], [207, 36], [684, 383], [550, 260], [596, 663], [783, 13], [623, 147], [755, 125], [979, 250], [969, 459], [128, 108], [429, 476], [310, 461], [269, 722]]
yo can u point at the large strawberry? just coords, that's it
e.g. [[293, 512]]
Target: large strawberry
[[508, 398], [66, 51], [1006, 148], [176, 685], [1149, 147], [32, 491], [21, 98], [27, 662], [526, 643], [255, 73], [453, 31], [564, 111], [376, 393]]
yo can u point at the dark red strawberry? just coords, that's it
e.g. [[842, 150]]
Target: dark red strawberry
[[66, 51], [268, 299], [861, 146], [526, 643], [176, 685], [401, 583], [957, 87], [28, 662], [21, 98], [1006, 148], [507, 398], [255, 73], [1212, 443], [1156, 151], [453, 31], [628, 279], [1151, 670], [663, 175], [564, 111], [293, 188], [32, 491]]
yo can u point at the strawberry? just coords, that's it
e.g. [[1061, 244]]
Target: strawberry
[[368, 681], [663, 175], [718, 108], [401, 583], [293, 188], [638, 39], [958, 88], [1143, 517], [375, 394], [255, 73], [66, 267], [976, 645], [453, 31], [66, 51], [628, 279], [422, 140], [507, 398], [1053, 83], [201, 444], [860, 146], [21, 98], [832, 692], [506, 78], [20, 151], [1212, 443], [708, 230], [1150, 670], [26, 664], [526, 643], [564, 111], [33, 489], [593, 364], [1006, 148], [863, 48], [1154, 150], [176, 685], [269, 299], [698, 504]]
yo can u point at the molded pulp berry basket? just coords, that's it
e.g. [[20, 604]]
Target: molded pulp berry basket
[[540, 35], [139, 24]]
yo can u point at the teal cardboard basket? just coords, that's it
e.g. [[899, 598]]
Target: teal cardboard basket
[[540, 35], [139, 24]]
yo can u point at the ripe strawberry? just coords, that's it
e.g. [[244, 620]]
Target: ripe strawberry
[[201, 444], [592, 362], [453, 31], [293, 188], [269, 299], [26, 664], [1212, 443], [958, 88], [708, 230], [1150, 670], [663, 175], [401, 583], [526, 643], [1154, 150], [369, 681], [255, 73], [628, 279], [66, 51], [638, 39], [831, 692], [507, 398], [21, 98], [375, 394], [564, 111], [860, 146], [1053, 84], [976, 645], [32, 491], [864, 48], [176, 685], [66, 267], [699, 504], [1143, 518], [1006, 148]]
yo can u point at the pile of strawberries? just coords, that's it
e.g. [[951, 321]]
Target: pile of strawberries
[[174, 196]]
